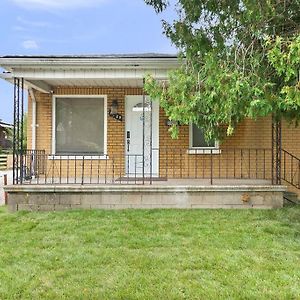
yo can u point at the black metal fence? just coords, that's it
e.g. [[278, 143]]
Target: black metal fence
[[228, 163], [28, 165], [290, 170], [210, 165]]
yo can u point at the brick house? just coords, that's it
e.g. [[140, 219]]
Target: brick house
[[5, 132], [91, 128]]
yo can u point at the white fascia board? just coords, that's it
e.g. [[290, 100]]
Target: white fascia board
[[6, 76], [103, 63], [38, 85]]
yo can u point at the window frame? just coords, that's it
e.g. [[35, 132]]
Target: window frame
[[54, 99], [205, 150]]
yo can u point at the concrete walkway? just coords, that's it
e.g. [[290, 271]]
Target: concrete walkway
[[9, 181]]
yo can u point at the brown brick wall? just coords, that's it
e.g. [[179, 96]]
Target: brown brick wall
[[291, 138], [249, 134], [115, 129], [291, 143]]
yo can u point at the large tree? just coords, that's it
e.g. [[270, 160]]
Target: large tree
[[239, 59]]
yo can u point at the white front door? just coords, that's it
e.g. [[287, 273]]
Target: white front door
[[134, 136]]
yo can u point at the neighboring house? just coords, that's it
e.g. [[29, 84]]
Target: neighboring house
[[5, 135], [92, 129]]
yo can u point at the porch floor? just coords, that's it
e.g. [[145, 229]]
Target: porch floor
[[155, 181], [206, 182]]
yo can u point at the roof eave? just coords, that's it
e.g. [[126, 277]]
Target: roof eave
[[103, 63]]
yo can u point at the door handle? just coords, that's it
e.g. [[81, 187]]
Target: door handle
[[128, 141]]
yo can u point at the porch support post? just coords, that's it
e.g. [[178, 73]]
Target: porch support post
[[143, 131], [14, 133], [16, 137], [18, 130], [276, 151], [22, 131], [151, 136]]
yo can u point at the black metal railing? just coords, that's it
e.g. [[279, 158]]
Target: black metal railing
[[228, 163], [34, 162], [162, 164], [290, 170], [29, 164]]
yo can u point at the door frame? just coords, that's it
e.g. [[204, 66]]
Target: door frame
[[154, 144]]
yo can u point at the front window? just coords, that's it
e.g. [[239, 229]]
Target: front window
[[79, 126], [197, 139]]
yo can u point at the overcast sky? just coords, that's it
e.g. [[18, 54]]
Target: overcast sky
[[32, 27]]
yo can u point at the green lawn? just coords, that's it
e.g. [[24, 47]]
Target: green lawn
[[151, 254]]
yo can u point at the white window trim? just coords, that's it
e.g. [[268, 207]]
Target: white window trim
[[201, 150], [54, 97]]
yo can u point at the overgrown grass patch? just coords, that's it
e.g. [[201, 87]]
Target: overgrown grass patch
[[151, 254]]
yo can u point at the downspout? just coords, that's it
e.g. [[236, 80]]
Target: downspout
[[33, 124]]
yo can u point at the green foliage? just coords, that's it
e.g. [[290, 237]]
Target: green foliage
[[10, 134], [232, 65], [215, 100], [159, 6], [284, 56]]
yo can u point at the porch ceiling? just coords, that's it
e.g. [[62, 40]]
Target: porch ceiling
[[46, 73], [48, 81], [49, 84], [110, 82]]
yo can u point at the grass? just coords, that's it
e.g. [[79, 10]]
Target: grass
[[151, 254]]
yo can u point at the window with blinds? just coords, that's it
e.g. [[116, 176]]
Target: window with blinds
[[79, 126]]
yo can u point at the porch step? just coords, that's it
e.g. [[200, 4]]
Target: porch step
[[290, 198]]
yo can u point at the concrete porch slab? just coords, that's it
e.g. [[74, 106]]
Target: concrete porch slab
[[58, 197]]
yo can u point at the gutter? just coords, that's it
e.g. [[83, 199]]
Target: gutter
[[106, 63]]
